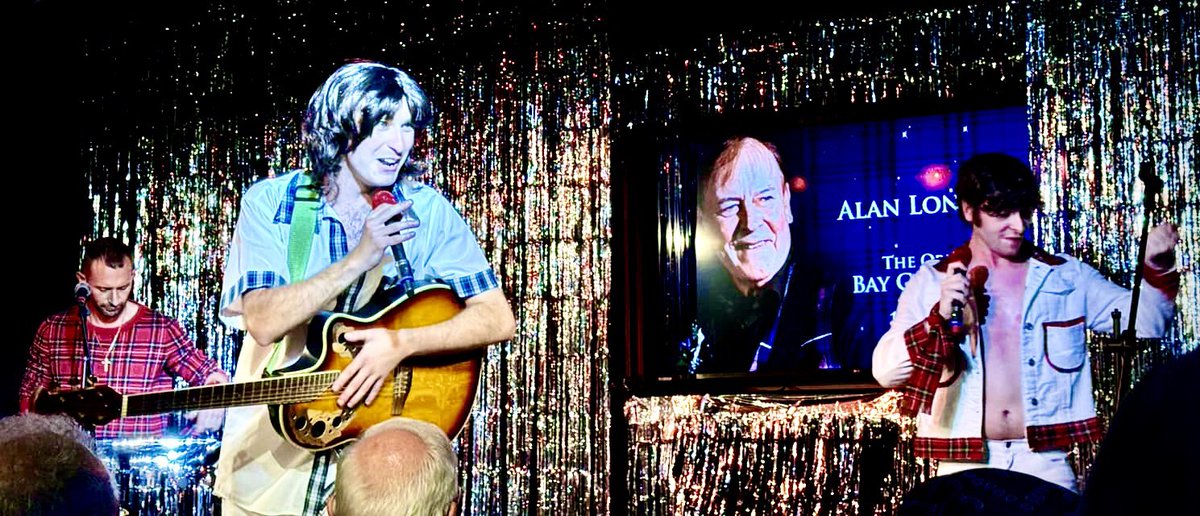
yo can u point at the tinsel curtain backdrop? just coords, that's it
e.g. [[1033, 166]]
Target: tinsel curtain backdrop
[[183, 109], [1108, 84], [187, 109]]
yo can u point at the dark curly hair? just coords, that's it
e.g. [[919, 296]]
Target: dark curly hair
[[998, 184]]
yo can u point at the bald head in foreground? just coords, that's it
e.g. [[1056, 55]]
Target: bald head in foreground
[[402, 467]]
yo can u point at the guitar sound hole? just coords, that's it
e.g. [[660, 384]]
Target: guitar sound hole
[[299, 422], [318, 429]]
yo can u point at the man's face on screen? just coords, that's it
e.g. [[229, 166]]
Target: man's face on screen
[[751, 208]]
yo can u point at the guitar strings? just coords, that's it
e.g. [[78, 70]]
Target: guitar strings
[[307, 388]]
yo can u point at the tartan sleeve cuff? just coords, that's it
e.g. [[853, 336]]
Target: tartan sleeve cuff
[[211, 366], [474, 284], [927, 350], [925, 337], [252, 280], [1165, 281]]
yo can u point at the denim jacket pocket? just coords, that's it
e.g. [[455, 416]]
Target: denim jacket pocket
[[1064, 344]]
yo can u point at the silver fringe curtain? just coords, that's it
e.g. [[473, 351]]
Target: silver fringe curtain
[[209, 99], [1108, 84], [189, 108]]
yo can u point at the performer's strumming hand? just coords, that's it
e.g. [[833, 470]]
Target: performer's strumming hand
[[382, 350]]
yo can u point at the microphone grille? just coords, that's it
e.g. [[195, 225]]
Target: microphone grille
[[382, 197]]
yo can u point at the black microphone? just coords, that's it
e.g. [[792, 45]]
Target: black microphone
[[403, 267], [82, 292], [955, 323], [977, 278]]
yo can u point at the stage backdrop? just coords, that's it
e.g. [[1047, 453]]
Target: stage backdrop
[[1107, 85], [185, 106]]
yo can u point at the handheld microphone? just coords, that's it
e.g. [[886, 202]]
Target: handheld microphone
[[977, 278], [381, 197], [955, 323]]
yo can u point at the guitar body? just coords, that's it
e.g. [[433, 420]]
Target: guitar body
[[439, 389]]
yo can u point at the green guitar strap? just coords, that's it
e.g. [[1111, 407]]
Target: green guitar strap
[[304, 224]]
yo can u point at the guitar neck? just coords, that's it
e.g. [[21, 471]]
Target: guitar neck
[[287, 389]]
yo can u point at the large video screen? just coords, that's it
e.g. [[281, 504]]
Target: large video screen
[[782, 247]]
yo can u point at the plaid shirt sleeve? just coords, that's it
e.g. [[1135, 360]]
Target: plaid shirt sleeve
[[913, 353], [37, 372], [182, 357], [455, 255], [257, 255], [930, 352]]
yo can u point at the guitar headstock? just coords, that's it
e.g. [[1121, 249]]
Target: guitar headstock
[[93, 406]]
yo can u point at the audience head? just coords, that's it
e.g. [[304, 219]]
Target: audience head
[[399, 467], [47, 467]]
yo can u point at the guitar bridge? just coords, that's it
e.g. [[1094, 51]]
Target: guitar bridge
[[401, 383]]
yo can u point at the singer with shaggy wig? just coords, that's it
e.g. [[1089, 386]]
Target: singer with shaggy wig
[[360, 129]]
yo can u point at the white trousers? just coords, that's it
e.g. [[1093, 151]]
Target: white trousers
[[1015, 455]]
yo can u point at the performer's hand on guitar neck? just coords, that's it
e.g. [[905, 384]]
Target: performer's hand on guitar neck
[[381, 352]]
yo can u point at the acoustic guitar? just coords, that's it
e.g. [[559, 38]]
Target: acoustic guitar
[[439, 389]]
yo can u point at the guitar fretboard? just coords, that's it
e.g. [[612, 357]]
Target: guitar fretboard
[[286, 389]]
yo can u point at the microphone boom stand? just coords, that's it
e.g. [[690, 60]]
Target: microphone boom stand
[[1125, 344], [87, 381]]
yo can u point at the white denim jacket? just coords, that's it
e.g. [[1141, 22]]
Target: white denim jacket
[[1063, 298]]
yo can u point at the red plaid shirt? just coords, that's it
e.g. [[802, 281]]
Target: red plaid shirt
[[143, 355]]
